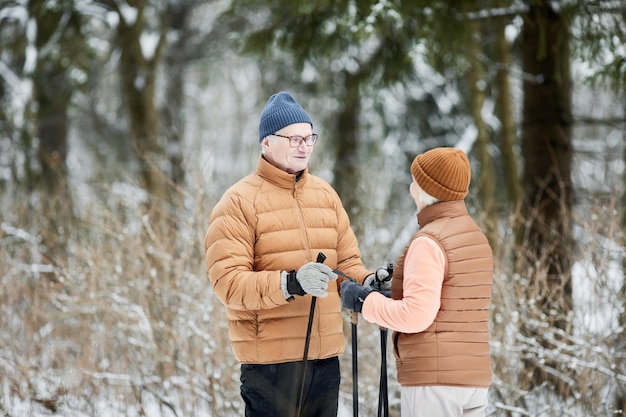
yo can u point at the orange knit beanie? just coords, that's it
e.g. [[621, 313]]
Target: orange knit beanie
[[444, 173]]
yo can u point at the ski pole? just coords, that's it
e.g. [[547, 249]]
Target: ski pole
[[383, 394], [355, 377], [320, 258], [383, 400], [354, 319]]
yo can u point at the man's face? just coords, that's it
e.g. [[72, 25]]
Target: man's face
[[281, 154]]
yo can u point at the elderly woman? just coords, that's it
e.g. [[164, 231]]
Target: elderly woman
[[440, 296]]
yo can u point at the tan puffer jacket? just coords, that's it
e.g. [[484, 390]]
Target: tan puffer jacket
[[264, 224], [454, 350]]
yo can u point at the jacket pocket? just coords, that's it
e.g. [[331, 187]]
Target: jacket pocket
[[396, 352]]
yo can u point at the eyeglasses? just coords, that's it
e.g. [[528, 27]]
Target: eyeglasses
[[295, 141]]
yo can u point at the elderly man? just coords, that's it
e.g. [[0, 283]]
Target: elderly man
[[262, 242]]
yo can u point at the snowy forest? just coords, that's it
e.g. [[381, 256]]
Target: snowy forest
[[122, 122]]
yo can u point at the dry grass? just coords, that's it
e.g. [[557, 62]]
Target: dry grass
[[584, 367], [126, 318], [122, 317]]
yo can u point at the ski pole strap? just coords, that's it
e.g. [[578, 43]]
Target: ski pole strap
[[354, 317], [338, 272]]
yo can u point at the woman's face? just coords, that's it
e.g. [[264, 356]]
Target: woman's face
[[415, 191]]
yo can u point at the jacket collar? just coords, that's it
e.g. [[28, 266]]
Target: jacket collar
[[278, 177], [454, 208]]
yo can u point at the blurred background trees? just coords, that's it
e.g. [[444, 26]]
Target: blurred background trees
[[123, 121]]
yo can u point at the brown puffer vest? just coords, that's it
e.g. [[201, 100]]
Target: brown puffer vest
[[454, 350]]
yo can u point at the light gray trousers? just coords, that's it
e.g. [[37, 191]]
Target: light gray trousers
[[443, 401]]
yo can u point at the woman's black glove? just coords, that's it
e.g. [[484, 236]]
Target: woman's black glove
[[353, 295]]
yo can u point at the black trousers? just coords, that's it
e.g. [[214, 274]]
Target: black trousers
[[272, 390]]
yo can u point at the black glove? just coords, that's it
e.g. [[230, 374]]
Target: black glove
[[353, 295]]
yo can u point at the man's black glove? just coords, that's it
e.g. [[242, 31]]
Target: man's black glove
[[353, 295]]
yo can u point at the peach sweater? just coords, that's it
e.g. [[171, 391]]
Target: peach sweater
[[421, 292]]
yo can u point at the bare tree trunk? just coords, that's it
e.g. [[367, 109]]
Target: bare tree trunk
[[504, 109], [179, 14], [52, 127], [347, 144], [51, 92], [57, 29], [547, 243], [486, 179], [138, 82], [620, 400]]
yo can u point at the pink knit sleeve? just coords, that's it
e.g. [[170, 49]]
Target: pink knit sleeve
[[424, 266]]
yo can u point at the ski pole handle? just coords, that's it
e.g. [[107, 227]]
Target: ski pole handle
[[320, 258], [390, 272]]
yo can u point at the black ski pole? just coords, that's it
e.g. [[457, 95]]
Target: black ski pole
[[383, 400], [354, 319], [355, 375], [320, 258], [383, 393]]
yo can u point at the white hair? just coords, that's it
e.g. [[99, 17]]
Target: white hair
[[271, 138], [424, 199]]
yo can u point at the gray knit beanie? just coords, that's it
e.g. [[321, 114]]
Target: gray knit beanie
[[281, 110]]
